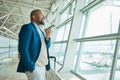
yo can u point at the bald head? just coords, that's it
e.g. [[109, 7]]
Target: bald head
[[36, 16]]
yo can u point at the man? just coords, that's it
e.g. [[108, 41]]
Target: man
[[33, 47]]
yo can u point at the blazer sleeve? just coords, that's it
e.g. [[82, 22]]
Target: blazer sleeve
[[48, 42], [25, 36]]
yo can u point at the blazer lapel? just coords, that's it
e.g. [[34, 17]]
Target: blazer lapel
[[43, 34], [36, 30]]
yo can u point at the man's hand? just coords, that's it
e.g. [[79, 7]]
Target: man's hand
[[18, 55], [47, 32]]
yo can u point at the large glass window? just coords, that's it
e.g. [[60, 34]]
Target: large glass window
[[59, 51], [63, 32], [8, 47], [103, 20], [68, 12], [95, 59], [59, 47], [117, 72], [4, 45], [94, 56], [88, 1], [64, 16], [66, 2]]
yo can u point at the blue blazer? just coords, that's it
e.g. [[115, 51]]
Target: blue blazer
[[29, 47]]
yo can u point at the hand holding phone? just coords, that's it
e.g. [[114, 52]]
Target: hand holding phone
[[52, 26]]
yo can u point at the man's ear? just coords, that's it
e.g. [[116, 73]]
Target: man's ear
[[33, 17]]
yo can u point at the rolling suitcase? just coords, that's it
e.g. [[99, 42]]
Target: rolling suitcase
[[51, 74]]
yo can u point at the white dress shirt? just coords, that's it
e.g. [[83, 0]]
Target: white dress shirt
[[42, 59]]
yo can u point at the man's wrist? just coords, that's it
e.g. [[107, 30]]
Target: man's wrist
[[47, 38]]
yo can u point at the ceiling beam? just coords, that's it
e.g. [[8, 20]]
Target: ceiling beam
[[8, 35], [13, 27], [17, 31], [45, 2], [4, 16], [8, 22], [10, 31], [1, 4], [20, 8], [8, 9], [34, 2], [8, 16], [5, 20], [6, 5], [14, 14], [26, 5], [22, 4]]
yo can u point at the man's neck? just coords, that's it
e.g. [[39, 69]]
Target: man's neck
[[36, 23]]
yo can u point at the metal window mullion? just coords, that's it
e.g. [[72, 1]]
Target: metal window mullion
[[65, 22], [58, 42], [99, 38], [81, 44], [114, 62], [66, 6], [91, 5], [113, 68]]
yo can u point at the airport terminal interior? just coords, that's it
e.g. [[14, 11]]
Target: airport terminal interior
[[85, 40]]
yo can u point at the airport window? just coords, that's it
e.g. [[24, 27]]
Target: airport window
[[7, 47], [54, 14], [63, 32], [72, 8], [95, 59], [64, 15], [66, 1], [68, 12], [4, 48], [63, 29], [88, 1], [60, 34], [103, 20], [95, 54], [59, 51], [85, 42], [60, 43], [117, 72]]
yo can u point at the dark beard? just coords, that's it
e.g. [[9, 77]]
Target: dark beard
[[42, 22]]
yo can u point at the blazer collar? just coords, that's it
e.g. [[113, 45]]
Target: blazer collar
[[35, 28], [39, 29]]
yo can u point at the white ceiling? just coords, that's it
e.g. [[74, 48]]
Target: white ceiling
[[14, 13]]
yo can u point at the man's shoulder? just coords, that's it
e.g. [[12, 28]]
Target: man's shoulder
[[26, 27], [28, 24]]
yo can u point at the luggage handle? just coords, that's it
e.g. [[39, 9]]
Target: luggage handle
[[53, 57]]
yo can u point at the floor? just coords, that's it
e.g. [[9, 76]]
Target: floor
[[8, 71], [68, 76]]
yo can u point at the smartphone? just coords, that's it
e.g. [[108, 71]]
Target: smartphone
[[52, 26]]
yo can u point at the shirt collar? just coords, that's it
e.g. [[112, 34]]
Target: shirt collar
[[35, 25], [38, 27]]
